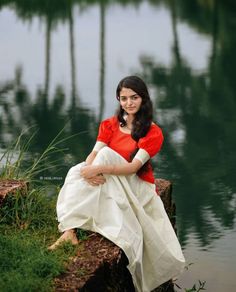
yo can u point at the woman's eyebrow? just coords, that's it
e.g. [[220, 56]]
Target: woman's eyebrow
[[129, 96]]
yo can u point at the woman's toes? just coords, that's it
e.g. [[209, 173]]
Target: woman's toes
[[72, 238]]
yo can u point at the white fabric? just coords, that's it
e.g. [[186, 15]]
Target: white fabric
[[142, 156], [127, 211], [98, 146]]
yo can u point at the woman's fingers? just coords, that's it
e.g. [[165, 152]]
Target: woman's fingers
[[96, 180], [88, 171], [85, 172]]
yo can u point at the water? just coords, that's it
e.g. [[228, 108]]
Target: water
[[60, 63]]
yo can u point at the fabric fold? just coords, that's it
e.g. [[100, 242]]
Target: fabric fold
[[127, 211]]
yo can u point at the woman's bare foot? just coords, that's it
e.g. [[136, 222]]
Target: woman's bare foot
[[67, 236]]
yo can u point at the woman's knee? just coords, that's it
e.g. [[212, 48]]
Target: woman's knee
[[106, 151], [102, 155], [75, 169], [107, 155]]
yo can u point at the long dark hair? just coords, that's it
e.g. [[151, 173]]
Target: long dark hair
[[143, 118]]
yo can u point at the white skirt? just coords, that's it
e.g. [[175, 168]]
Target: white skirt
[[127, 211]]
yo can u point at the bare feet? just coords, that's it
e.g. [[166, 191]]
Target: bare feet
[[67, 236]]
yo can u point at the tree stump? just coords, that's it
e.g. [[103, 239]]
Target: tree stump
[[11, 186], [100, 265]]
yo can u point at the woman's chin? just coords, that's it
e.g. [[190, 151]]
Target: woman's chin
[[131, 112]]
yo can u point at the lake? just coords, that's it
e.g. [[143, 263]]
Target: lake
[[60, 63]]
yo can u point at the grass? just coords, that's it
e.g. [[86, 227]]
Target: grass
[[28, 222], [14, 158], [27, 228], [25, 264], [33, 210]]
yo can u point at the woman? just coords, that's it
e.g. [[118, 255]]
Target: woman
[[113, 192]]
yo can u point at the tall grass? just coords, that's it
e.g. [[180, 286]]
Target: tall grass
[[34, 209], [27, 226], [28, 222], [14, 157]]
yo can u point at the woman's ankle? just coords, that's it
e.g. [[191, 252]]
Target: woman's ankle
[[68, 235], [69, 231]]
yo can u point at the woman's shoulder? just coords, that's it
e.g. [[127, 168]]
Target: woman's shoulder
[[154, 129], [110, 122], [106, 129], [153, 140], [112, 119]]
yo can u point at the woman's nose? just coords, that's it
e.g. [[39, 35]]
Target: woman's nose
[[130, 101]]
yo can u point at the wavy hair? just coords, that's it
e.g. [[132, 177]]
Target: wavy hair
[[143, 118]]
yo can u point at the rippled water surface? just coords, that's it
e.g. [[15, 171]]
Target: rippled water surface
[[60, 63]]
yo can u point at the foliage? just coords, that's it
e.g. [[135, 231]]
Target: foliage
[[81, 234], [27, 227], [32, 210], [14, 157], [196, 287], [24, 264], [28, 223]]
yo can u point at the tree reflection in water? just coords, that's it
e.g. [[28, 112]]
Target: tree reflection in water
[[200, 107], [196, 109]]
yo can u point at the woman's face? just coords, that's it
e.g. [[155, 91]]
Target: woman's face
[[130, 101]]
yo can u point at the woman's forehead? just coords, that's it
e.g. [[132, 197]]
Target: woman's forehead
[[127, 91]]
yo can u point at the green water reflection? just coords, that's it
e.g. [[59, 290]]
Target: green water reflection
[[196, 108], [204, 107]]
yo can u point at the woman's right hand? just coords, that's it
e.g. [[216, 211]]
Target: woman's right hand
[[96, 180]]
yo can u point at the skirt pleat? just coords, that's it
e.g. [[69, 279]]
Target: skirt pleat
[[127, 211]]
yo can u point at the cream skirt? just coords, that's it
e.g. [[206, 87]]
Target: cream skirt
[[127, 211]]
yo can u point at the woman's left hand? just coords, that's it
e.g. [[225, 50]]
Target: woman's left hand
[[89, 171], [96, 180]]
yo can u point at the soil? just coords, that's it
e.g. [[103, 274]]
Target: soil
[[98, 266]]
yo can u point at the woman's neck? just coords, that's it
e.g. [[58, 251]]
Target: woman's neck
[[129, 121]]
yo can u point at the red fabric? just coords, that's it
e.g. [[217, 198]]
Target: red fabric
[[110, 133]]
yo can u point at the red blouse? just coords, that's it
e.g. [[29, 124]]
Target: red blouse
[[110, 134]]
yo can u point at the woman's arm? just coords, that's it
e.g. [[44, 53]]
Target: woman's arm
[[91, 157], [96, 179], [115, 169], [98, 146]]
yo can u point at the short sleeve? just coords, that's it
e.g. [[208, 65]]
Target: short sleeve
[[105, 131], [142, 156], [152, 142], [98, 146]]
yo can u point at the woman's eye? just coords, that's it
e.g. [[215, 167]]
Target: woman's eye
[[134, 97]]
